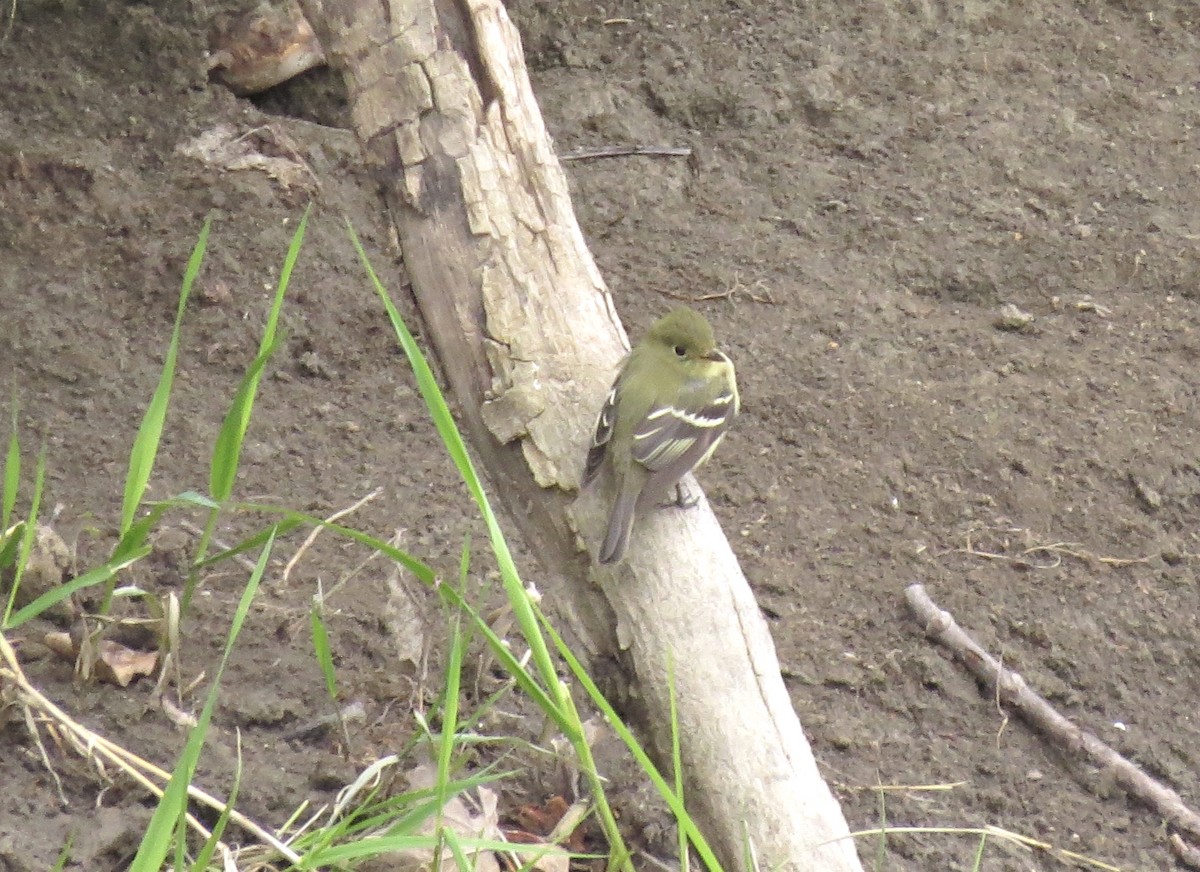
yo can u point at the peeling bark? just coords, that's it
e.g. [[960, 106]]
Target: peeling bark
[[528, 339]]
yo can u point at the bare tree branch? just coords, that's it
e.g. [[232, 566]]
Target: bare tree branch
[[1012, 691]]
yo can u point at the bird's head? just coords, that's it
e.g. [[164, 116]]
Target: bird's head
[[687, 333]]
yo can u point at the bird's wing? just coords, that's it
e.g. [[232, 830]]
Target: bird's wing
[[669, 435], [601, 437]]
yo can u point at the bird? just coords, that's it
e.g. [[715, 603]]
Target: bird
[[673, 399]]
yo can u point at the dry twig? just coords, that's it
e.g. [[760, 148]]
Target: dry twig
[[626, 151], [1186, 854], [1054, 552], [99, 750], [316, 531], [8, 25], [1012, 690], [763, 296]]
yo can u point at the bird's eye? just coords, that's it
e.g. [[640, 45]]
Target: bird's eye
[[680, 351]]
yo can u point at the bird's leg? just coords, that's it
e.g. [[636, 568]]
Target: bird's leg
[[683, 499]]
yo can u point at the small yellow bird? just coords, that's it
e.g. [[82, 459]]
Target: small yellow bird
[[674, 397]]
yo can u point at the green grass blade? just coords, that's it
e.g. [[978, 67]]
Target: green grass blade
[[157, 840], [228, 448], [95, 576], [145, 445], [64, 855], [449, 720], [12, 476], [456, 848], [292, 519], [10, 543], [201, 863], [397, 824], [677, 756], [28, 534], [673, 801], [180, 841], [525, 680], [135, 538], [132, 546], [452, 439], [320, 640], [372, 846], [619, 856], [285, 526], [977, 863], [194, 499]]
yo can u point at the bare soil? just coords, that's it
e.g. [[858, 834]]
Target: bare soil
[[871, 183]]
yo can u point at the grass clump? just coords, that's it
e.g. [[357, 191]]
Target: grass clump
[[370, 823]]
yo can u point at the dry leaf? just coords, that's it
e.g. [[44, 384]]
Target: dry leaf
[[540, 819], [267, 148], [114, 663], [553, 822], [405, 621]]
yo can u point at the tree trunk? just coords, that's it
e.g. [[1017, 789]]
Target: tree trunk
[[528, 339]]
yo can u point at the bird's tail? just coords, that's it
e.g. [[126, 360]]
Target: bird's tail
[[620, 524]]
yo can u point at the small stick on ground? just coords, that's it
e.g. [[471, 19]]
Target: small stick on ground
[[1026, 558], [764, 295], [336, 516], [626, 151], [1011, 689], [1184, 853], [8, 25]]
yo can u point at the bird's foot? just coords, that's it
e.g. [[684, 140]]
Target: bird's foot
[[683, 499]]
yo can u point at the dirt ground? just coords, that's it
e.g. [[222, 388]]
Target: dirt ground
[[871, 183]]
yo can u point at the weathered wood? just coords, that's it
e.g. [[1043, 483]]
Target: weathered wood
[[527, 337]]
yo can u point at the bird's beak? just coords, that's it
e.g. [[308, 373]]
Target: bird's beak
[[716, 356]]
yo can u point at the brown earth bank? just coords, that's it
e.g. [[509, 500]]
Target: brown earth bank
[[870, 185]]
